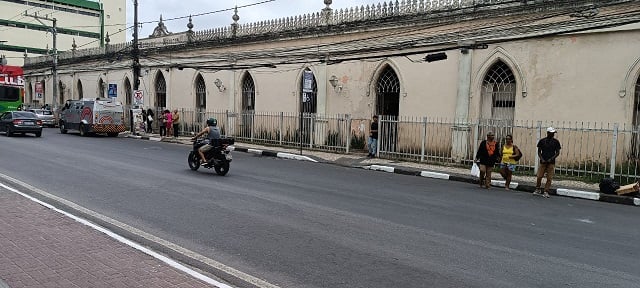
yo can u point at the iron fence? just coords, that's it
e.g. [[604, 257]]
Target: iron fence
[[590, 151]]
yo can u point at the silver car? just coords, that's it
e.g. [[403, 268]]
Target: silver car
[[45, 115]]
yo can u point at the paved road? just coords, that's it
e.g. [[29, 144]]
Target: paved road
[[300, 224]]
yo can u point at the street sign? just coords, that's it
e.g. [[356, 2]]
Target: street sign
[[113, 91], [138, 97]]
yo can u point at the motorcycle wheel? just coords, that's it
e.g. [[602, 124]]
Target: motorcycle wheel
[[222, 169], [194, 161]]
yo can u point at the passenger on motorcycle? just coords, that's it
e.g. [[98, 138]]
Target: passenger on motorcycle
[[213, 134]]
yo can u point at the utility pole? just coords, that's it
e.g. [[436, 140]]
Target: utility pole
[[54, 32], [135, 51]]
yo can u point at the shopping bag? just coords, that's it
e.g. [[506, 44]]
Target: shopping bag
[[475, 170]]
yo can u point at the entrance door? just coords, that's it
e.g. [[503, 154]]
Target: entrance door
[[388, 109]]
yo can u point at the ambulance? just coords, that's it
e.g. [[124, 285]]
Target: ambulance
[[92, 115]]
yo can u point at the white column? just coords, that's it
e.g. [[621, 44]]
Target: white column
[[461, 129]]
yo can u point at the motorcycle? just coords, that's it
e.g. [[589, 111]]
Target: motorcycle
[[218, 157]]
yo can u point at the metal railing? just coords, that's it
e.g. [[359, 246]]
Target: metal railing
[[590, 151]]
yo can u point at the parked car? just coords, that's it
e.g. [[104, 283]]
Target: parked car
[[20, 122], [46, 116]]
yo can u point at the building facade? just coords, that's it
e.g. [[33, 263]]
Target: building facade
[[504, 63], [80, 23]]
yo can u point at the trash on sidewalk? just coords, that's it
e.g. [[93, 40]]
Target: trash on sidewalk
[[626, 189]]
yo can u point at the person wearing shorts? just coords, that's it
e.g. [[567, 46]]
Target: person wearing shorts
[[508, 164]]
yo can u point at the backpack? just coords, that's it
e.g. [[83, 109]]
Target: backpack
[[609, 186]]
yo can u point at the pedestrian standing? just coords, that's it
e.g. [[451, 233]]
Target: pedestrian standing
[[168, 122], [176, 123], [163, 123], [548, 151], [373, 137], [488, 154], [149, 120], [510, 155]]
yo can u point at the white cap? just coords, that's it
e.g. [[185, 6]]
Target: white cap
[[551, 130]]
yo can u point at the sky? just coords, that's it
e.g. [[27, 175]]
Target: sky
[[150, 11]]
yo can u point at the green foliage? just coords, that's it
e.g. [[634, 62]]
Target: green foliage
[[357, 141]]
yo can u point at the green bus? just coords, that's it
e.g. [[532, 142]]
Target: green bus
[[11, 88]]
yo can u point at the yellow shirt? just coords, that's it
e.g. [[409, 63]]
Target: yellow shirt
[[507, 152]]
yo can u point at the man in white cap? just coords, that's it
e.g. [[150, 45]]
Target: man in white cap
[[548, 151]]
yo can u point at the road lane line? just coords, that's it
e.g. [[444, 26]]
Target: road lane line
[[257, 282]]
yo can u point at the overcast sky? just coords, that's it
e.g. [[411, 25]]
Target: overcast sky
[[150, 10]]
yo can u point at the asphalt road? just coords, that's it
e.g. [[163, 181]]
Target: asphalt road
[[302, 224]]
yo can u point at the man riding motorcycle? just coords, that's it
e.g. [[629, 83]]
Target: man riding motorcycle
[[213, 134]]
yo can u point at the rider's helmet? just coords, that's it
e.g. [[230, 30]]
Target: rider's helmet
[[212, 122]]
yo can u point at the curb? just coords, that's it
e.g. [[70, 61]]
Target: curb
[[274, 154], [587, 195]]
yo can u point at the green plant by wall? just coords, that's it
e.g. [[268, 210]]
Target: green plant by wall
[[357, 141]]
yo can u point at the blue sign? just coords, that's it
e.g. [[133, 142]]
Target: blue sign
[[113, 91]]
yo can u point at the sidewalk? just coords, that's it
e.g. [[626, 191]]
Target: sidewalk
[[41, 247], [566, 188]]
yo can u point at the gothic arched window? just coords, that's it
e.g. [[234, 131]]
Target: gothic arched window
[[499, 87], [309, 92], [248, 93], [161, 91], [388, 93]]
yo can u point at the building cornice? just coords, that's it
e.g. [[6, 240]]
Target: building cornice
[[396, 17]]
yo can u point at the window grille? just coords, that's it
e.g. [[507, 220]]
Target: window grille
[[498, 101], [201, 98], [128, 92], [310, 99], [60, 92], [388, 92], [101, 88], [80, 93], [248, 93], [161, 91], [635, 139]]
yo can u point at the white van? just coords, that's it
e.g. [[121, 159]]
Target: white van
[[91, 115]]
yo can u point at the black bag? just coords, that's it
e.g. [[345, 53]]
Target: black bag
[[519, 155], [609, 186]]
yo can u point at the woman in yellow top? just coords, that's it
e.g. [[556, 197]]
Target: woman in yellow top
[[510, 153]]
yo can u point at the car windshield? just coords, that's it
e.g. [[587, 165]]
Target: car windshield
[[24, 115]]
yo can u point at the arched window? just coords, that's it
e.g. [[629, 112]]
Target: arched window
[[201, 98], [61, 87], [499, 93], [309, 92], [101, 88], [128, 92], [388, 93], [248, 93], [80, 91], [161, 91], [635, 140]]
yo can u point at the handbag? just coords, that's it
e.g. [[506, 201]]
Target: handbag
[[519, 155], [149, 118], [475, 170]]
